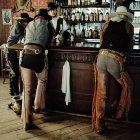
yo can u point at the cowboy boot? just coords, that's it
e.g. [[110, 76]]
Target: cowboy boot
[[102, 82]]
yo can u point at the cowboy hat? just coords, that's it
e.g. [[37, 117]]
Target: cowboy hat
[[52, 6], [42, 12], [122, 10], [23, 17]]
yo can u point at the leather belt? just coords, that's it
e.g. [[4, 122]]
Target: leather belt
[[33, 51], [107, 51]]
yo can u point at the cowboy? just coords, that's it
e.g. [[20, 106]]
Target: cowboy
[[16, 35], [34, 63], [59, 27], [115, 40]]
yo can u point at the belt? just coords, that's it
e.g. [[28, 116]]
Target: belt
[[106, 51], [116, 55], [33, 51]]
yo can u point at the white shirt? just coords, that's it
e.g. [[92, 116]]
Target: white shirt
[[54, 22]]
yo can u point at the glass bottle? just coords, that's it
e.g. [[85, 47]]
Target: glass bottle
[[83, 2], [107, 16], [78, 2], [74, 32], [86, 2], [61, 34], [101, 16], [77, 16], [95, 33], [86, 32], [65, 15], [73, 16], [69, 16], [72, 2], [90, 33], [83, 32], [86, 17], [69, 2], [91, 17], [97, 15], [82, 16], [139, 36]]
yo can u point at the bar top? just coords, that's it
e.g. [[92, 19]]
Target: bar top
[[67, 49]]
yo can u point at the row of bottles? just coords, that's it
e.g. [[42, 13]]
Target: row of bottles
[[136, 20], [85, 2], [135, 5], [95, 15], [85, 32]]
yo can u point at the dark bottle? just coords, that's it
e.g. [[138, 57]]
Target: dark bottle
[[83, 32], [139, 36], [95, 33], [74, 32], [69, 16], [98, 2], [82, 16], [90, 33], [65, 15]]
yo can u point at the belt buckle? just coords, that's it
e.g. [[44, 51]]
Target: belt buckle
[[37, 51]]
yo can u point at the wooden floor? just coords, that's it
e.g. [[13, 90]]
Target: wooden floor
[[54, 125]]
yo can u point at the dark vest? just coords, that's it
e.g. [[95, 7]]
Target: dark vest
[[115, 37]]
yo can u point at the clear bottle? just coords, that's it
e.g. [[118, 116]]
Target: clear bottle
[[101, 16], [78, 2], [97, 15], [92, 2], [72, 2], [91, 17], [69, 2], [86, 32], [86, 17], [73, 16], [107, 16], [78, 16], [83, 2]]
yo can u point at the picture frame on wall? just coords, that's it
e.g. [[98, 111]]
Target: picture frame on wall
[[7, 16]]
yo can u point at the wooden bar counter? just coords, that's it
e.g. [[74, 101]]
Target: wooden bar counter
[[82, 81]]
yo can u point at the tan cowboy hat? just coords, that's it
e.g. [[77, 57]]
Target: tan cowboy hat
[[122, 10], [23, 17]]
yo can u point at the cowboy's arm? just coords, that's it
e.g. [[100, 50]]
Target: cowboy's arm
[[130, 30]]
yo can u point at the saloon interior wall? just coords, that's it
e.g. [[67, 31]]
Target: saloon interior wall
[[9, 4]]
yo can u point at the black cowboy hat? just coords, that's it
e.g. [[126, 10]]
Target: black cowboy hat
[[52, 6], [23, 17], [42, 12]]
